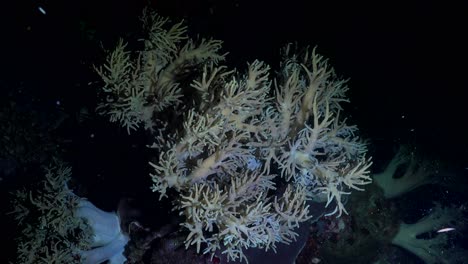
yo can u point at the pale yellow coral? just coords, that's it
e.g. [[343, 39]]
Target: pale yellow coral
[[235, 130]]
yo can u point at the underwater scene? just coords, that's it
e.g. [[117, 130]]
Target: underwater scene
[[209, 131]]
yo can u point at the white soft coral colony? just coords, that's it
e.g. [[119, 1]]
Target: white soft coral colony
[[236, 130]]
